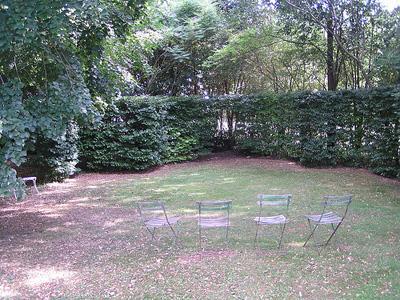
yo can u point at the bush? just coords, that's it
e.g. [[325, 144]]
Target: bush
[[137, 133], [53, 159], [354, 128], [131, 136]]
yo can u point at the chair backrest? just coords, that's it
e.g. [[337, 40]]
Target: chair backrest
[[214, 209], [151, 209], [274, 200], [337, 201], [330, 200], [275, 203]]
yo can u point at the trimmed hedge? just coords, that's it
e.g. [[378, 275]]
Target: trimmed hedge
[[355, 128], [137, 133]]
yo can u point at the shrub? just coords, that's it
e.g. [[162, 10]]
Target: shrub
[[131, 136], [53, 159], [137, 133], [355, 128]]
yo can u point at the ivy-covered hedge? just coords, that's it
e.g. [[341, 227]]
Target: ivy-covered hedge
[[137, 133], [355, 128]]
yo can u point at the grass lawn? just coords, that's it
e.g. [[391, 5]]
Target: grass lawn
[[82, 239]]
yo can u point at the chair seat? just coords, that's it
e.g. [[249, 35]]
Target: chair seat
[[279, 219], [214, 222], [32, 178], [160, 222], [326, 218]]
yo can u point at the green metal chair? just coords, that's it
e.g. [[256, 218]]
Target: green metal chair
[[153, 215], [335, 219], [213, 214], [276, 203]]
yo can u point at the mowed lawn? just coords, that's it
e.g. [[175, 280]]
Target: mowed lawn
[[82, 239]]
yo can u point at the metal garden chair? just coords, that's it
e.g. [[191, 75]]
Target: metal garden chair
[[335, 219], [276, 203], [153, 215], [213, 214], [27, 179]]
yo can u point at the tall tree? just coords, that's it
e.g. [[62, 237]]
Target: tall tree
[[47, 54], [348, 28]]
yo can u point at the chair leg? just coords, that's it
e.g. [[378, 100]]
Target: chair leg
[[176, 238], [256, 237], [173, 231], [283, 230], [153, 234], [34, 185], [312, 232], [333, 233], [227, 233], [200, 237]]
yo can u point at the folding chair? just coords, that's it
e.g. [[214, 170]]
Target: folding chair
[[334, 219], [33, 180], [153, 215], [27, 179], [276, 203], [213, 214]]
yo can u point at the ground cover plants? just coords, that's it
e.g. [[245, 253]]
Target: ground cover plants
[[82, 238]]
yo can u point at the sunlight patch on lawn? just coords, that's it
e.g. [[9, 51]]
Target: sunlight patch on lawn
[[56, 192], [121, 231], [6, 292], [92, 187], [196, 194], [229, 179], [55, 229], [175, 185], [130, 200], [54, 215], [81, 199], [41, 276], [296, 244], [113, 223]]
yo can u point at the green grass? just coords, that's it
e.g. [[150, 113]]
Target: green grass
[[101, 242], [361, 261]]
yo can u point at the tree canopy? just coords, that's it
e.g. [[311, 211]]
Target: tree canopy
[[49, 51], [225, 47]]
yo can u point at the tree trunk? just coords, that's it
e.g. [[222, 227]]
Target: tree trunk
[[332, 82], [329, 51]]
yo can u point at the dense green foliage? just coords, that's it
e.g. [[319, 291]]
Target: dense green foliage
[[193, 47], [140, 132], [60, 61], [356, 128], [49, 51], [53, 159]]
